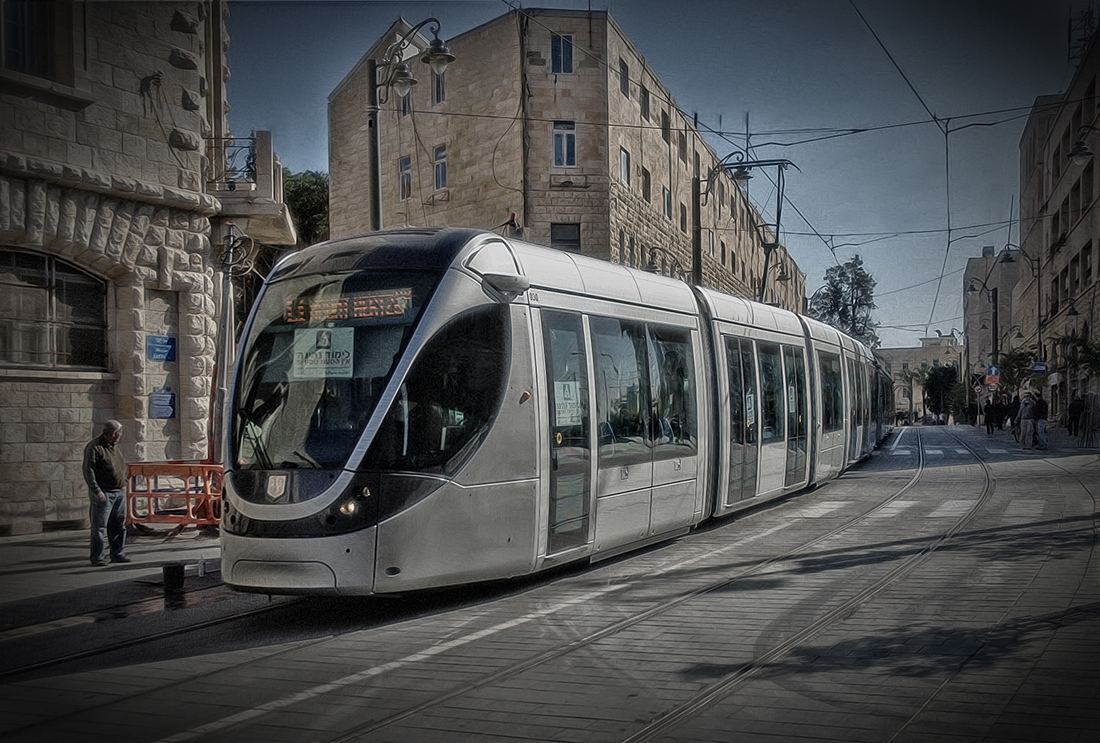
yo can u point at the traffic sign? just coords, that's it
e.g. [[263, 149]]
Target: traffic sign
[[1039, 367], [993, 387], [993, 371]]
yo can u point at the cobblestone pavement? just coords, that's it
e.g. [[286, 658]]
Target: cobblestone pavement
[[954, 601]]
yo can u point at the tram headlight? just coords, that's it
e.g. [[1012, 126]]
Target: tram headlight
[[349, 507]]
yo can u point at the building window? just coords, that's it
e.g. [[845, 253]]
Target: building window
[[440, 159], [1086, 265], [565, 236], [624, 78], [666, 127], [624, 166], [710, 233], [561, 54], [404, 167], [439, 88], [683, 146], [683, 217], [646, 186], [666, 202], [643, 97], [51, 314], [406, 104], [565, 144], [37, 39]]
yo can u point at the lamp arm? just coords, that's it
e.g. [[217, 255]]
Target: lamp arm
[[388, 66]]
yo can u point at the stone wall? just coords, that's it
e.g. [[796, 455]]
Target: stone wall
[[105, 173]]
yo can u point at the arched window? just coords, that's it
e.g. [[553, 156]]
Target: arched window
[[52, 315]]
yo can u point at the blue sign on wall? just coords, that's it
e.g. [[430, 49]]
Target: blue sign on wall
[[1039, 367], [160, 348], [162, 403]]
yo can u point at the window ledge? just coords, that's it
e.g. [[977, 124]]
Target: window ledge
[[58, 94], [56, 375]]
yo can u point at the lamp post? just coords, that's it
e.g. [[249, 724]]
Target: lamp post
[[676, 270], [740, 170], [1036, 267], [393, 72], [1081, 153]]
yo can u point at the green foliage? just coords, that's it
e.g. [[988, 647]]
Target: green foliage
[[306, 195], [1015, 369], [938, 387], [846, 301]]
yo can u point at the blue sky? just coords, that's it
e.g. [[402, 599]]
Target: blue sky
[[803, 72]]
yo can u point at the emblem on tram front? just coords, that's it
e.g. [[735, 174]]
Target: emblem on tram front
[[276, 486]]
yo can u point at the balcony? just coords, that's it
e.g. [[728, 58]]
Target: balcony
[[245, 174]]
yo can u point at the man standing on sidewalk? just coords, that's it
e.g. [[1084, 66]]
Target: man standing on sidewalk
[[1025, 421], [105, 473], [1041, 412]]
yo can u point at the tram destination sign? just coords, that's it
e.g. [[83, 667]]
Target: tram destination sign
[[357, 306]]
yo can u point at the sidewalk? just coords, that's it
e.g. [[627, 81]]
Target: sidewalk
[[47, 575]]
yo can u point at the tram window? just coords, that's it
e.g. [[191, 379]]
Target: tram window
[[320, 353], [622, 389], [675, 425], [748, 376], [832, 399], [771, 381], [794, 361], [449, 397]]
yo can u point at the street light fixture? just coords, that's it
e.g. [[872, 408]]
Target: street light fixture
[[740, 170], [1081, 153], [392, 72], [1036, 267], [676, 270]]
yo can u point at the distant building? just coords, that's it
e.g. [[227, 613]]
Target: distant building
[[114, 197], [932, 352], [552, 116], [990, 326]]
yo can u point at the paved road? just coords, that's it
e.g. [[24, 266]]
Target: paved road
[[948, 589]]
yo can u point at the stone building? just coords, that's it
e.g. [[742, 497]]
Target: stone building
[[110, 228], [1059, 225], [941, 350], [990, 326], [552, 116]]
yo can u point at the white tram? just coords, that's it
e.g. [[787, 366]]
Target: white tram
[[433, 407]]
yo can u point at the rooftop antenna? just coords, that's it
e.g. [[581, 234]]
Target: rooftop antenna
[[1080, 32]]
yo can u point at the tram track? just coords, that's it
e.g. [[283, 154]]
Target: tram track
[[704, 697]]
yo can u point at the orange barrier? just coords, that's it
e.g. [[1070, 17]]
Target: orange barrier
[[181, 493]]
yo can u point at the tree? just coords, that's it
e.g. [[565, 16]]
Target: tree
[[938, 386], [1015, 369], [846, 301], [306, 195]]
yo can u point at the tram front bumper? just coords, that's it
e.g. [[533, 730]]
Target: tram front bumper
[[341, 564]]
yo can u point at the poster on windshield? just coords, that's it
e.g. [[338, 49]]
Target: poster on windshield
[[322, 353]]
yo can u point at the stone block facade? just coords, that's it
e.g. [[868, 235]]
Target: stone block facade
[[102, 183], [507, 108]]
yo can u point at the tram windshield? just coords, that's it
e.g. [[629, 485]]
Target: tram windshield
[[321, 350]]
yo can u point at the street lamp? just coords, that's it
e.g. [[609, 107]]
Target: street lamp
[[1081, 153], [676, 270], [392, 72], [740, 170], [1036, 267]]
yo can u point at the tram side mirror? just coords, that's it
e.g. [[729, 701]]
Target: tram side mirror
[[508, 283]]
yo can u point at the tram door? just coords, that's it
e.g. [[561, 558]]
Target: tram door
[[568, 415], [744, 427], [798, 438], [773, 418]]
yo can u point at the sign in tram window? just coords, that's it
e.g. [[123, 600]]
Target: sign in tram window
[[358, 306], [322, 353], [567, 404]]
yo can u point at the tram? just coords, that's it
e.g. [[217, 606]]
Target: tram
[[431, 407]]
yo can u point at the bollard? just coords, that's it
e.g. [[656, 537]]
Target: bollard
[[173, 577]]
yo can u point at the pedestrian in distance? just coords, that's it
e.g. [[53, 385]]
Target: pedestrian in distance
[[1025, 421], [1041, 412], [1012, 412], [105, 473], [1073, 415], [990, 419]]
